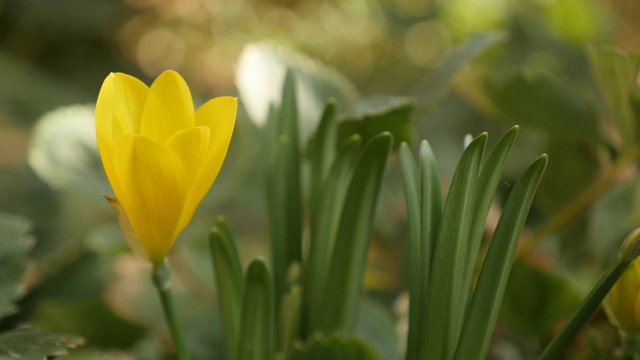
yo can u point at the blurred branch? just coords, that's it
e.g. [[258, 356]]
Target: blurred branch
[[582, 202]]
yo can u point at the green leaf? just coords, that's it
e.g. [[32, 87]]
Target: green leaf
[[616, 73], [377, 114], [424, 208], [321, 347], [547, 102], [261, 70], [322, 150], [412, 201], [14, 250], [439, 81], [283, 187], [257, 323], [445, 311], [32, 344], [64, 152], [344, 284], [324, 227], [485, 303], [92, 318], [550, 298], [377, 326], [229, 283], [290, 315], [488, 182]]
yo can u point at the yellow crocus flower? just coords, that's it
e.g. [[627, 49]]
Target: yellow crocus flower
[[161, 156], [623, 302]]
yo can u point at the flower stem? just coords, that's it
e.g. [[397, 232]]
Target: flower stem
[[160, 277]]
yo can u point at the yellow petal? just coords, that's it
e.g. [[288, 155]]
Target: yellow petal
[[118, 110], [219, 115], [129, 235], [190, 146], [153, 183], [168, 108], [123, 95]]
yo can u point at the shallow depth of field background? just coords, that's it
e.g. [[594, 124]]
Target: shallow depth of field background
[[83, 280]]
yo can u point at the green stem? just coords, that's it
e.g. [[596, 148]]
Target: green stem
[[160, 277], [588, 306]]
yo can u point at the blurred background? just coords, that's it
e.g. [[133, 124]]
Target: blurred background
[[532, 69]]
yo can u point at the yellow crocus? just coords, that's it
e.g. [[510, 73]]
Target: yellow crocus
[[623, 302], [160, 156]]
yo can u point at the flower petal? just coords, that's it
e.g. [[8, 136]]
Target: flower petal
[[129, 235], [118, 111], [219, 115], [153, 183], [190, 146], [168, 108]]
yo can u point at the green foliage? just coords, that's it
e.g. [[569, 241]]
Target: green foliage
[[32, 344], [443, 321], [321, 347], [229, 283], [377, 114], [549, 298], [14, 249], [257, 322]]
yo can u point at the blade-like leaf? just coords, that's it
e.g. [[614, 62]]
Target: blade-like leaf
[[344, 284], [324, 226], [486, 300], [229, 283], [283, 187], [257, 323], [488, 182], [445, 311], [322, 150], [412, 200]]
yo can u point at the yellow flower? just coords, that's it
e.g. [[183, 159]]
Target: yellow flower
[[161, 156], [623, 302]]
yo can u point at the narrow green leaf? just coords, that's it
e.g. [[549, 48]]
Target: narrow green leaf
[[324, 227], [445, 312], [283, 187], [412, 199], [488, 182], [486, 300], [431, 216], [257, 322], [289, 328], [227, 271], [322, 149], [344, 284], [628, 253]]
